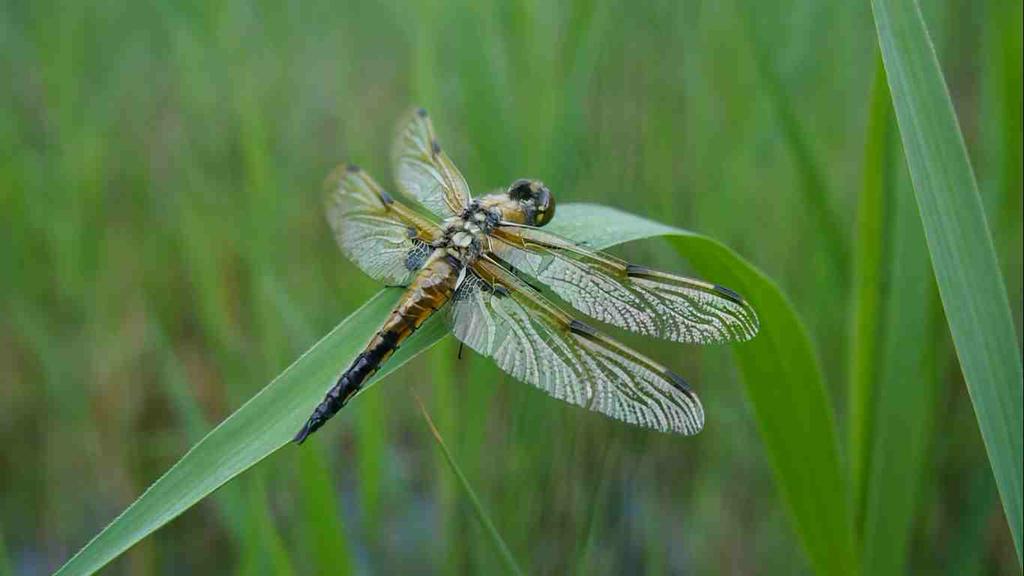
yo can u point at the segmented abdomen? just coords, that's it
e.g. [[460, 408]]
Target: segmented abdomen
[[429, 291]]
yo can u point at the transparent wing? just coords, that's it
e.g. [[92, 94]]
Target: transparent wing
[[632, 297], [425, 172], [387, 240], [498, 315]]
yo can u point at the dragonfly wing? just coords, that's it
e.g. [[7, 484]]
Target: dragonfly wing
[[498, 315], [387, 240], [638, 299], [424, 172]]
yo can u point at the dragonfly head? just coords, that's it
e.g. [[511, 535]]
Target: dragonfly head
[[536, 200]]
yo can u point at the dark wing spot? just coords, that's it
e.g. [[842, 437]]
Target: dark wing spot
[[352, 168], [581, 328], [421, 112], [678, 381], [435, 147], [386, 198], [500, 291], [411, 232], [729, 294], [417, 257], [634, 270]]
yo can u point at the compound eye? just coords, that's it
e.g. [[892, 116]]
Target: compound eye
[[520, 190], [545, 209]]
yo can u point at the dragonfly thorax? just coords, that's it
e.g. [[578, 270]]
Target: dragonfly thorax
[[464, 235]]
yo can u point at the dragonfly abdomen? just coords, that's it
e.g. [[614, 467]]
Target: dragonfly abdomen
[[429, 290]]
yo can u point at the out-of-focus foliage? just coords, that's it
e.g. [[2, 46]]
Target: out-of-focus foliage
[[163, 255]]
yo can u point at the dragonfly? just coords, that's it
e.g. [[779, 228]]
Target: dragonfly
[[478, 262]]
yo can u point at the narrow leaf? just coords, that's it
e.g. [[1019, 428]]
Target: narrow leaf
[[960, 245], [5, 561], [814, 188], [781, 374], [868, 287], [265, 423], [478, 508], [904, 394], [779, 366]]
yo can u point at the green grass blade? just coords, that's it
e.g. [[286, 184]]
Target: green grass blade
[[962, 254], [321, 526], [241, 505], [892, 369], [782, 378], [263, 551], [481, 514], [5, 561], [867, 290], [265, 423], [813, 185], [904, 395], [444, 397], [585, 542], [782, 375], [967, 550]]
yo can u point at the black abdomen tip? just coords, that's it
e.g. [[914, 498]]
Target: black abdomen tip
[[323, 412], [308, 428]]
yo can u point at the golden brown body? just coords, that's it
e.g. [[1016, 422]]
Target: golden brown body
[[430, 290], [432, 287], [473, 260], [461, 242]]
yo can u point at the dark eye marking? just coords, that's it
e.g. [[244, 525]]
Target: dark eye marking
[[351, 168], [435, 147], [386, 198], [421, 112]]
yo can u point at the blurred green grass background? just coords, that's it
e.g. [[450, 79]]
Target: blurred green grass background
[[163, 255]]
